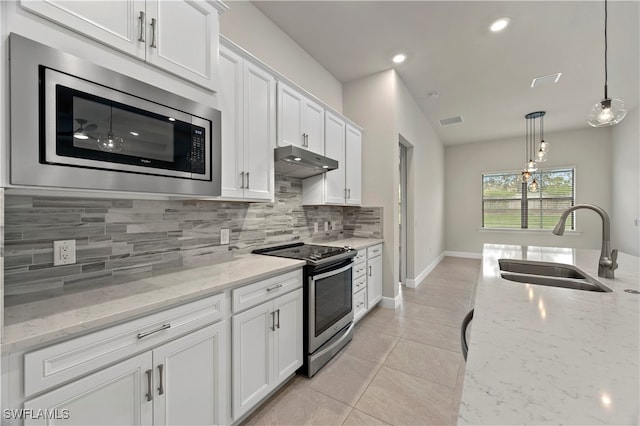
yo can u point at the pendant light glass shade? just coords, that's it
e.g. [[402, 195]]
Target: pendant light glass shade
[[608, 111], [525, 176], [110, 142], [533, 186], [533, 156]]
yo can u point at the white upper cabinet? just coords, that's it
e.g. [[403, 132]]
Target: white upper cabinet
[[247, 100], [343, 186], [353, 166], [300, 120], [334, 148], [178, 36]]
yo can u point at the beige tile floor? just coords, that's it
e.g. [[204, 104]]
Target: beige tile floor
[[403, 367]]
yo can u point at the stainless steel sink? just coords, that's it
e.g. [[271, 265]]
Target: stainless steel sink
[[549, 274]]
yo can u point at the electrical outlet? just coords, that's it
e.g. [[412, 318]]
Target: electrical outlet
[[326, 226], [224, 236], [315, 227], [64, 252]]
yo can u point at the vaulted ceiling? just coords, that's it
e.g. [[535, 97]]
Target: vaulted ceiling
[[457, 67]]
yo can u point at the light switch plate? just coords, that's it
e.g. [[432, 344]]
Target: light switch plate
[[64, 252], [224, 236]]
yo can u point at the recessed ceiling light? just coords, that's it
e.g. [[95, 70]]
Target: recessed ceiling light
[[399, 58], [499, 24]]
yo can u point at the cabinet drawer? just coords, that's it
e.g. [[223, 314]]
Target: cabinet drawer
[[59, 363], [359, 270], [359, 303], [360, 257], [359, 283], [374, 251], [254, 294]]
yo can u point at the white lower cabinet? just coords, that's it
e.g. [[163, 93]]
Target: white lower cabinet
[[168, 368], [267, 349], [115, 395], [374, 275], [178, 383]]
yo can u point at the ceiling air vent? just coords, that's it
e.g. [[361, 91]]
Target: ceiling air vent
[[546, 79], [450, 120]]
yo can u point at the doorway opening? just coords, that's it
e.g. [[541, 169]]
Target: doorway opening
[[402, 214]]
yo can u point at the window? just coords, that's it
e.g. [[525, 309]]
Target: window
[[507, 203]]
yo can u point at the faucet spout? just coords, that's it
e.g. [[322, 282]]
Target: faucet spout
[[607, 263]]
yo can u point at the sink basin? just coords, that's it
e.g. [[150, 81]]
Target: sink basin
[[549, 274]]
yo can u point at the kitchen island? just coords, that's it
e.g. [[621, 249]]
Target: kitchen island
[[548, 355]]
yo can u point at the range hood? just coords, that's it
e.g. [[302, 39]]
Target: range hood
[[297, 162]]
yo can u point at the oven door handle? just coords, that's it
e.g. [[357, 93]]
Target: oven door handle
[[332, 272]]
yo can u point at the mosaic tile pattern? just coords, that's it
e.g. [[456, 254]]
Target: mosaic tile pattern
[[120, 240]]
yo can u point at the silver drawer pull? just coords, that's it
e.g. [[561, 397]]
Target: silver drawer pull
[[163, 327], [275, 287], [149, 393], [141, 19]]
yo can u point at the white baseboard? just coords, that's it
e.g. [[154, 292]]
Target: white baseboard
[[415, 282], [390, 302], [465, 254]]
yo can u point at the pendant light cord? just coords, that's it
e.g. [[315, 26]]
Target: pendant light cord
[[605, 51]]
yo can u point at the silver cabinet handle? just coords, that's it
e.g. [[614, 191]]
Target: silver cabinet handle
[[149, 394], [349, 193], [247, 180], [153, 32], [242, 175], [141, 18], [275, 287], [345, 193], [160, 373], [463, 333], [148, 333], [370, 271], [278, 324], [273, 321]]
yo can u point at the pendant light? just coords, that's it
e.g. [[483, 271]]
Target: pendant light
[[111, 142], [532, 156], [608, 111]]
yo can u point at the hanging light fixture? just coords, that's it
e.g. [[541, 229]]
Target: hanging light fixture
[[608, 111], [533, 157], [111, 142]]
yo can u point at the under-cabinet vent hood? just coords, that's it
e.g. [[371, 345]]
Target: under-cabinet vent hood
[[297, 162]]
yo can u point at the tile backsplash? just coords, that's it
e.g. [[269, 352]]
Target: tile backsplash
[[118, 240]]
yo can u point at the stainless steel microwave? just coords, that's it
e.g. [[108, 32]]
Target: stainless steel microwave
[[75, 124]]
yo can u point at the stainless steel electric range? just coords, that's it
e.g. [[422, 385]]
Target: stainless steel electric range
[[328, 312]]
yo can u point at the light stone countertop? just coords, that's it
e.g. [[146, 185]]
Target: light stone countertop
[[39, 322], [548, 355], [357, 243]]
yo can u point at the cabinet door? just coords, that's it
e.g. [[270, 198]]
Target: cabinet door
[[353, 166], [290, 128], [116, 24], [252, 357], [182, 38], [115, 395], [313, 126], [190, 379], [287, 344], [231, 101], [259, 132], [335, 189], [374, 281]]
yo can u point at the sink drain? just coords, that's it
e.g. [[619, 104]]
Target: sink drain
[[629, 290]]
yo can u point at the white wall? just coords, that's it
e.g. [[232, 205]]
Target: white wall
[[382, 104], [425, 186], [588, 149], [625, 209], [248, 27]]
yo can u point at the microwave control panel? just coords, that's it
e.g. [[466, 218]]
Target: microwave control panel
[[198, 150]]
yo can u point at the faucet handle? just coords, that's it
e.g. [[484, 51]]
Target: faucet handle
[[614, 258]]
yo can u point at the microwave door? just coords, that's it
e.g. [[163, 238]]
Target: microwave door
[[92, 126]]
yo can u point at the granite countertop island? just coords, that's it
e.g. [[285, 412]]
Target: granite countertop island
[[548, 355]]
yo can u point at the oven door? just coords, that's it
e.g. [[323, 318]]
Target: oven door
[[330, 302]]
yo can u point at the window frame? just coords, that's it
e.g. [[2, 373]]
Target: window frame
[[526, 200]]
